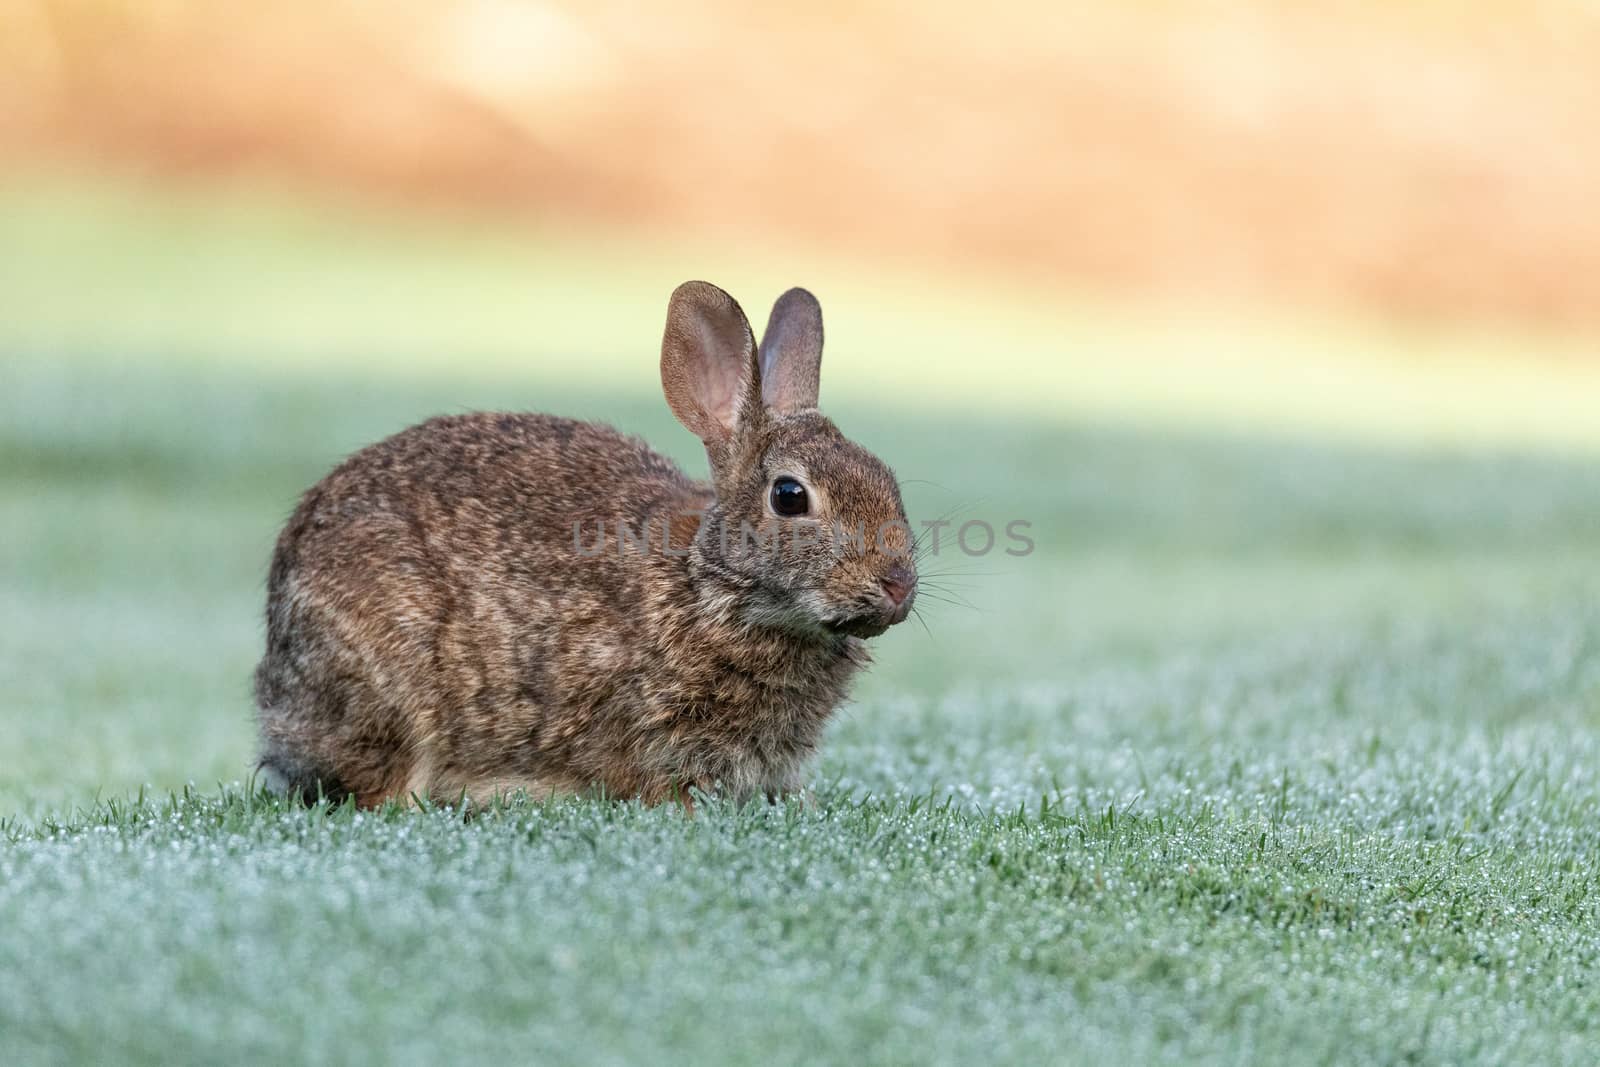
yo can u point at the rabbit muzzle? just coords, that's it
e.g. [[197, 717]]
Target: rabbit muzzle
[[890, 603]]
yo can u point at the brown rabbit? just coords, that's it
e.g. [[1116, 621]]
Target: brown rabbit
[[490, 603]]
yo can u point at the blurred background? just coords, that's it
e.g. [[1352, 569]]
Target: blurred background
[[1242, 296], [1206, 211]]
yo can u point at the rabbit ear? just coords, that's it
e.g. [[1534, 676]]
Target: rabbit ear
[[791, 353], [708, 360]]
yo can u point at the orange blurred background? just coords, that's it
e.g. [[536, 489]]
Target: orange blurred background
[[1420, 161]]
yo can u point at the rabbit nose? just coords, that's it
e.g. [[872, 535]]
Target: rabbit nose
[[898, 584]]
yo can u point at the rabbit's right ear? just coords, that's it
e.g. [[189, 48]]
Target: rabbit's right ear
[[708, 361], [791, 353]]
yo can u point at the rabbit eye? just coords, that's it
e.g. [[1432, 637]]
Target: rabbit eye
[[789, 498]]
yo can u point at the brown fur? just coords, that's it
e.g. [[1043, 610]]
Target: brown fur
[[434, 630]]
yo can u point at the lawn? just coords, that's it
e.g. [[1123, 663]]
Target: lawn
[[1279, 748]]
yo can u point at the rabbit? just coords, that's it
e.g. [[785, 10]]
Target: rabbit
[[467, 610]]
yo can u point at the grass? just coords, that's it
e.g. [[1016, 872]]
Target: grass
[[1276, 750]]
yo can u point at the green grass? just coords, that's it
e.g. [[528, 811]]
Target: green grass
[[1275, 750]]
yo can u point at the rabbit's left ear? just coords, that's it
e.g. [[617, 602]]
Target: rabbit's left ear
[[791, 353], [708, 362]]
